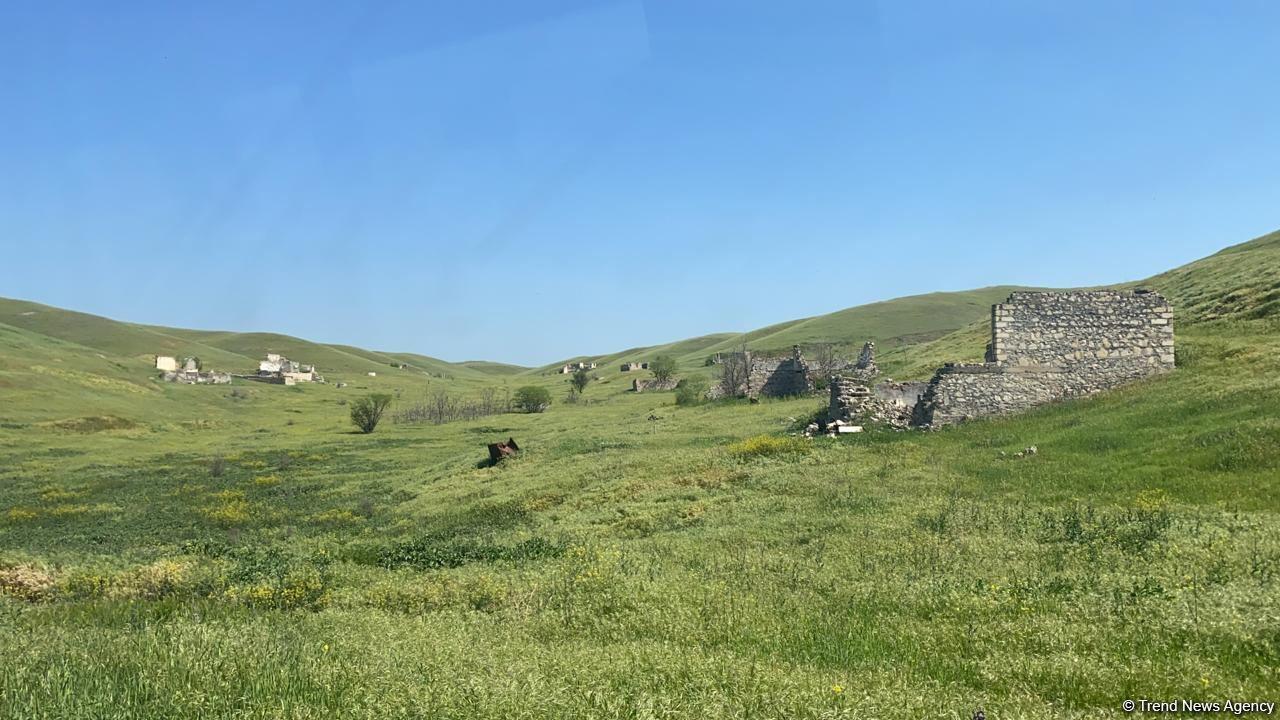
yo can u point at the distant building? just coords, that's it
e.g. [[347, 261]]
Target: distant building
[[571, 368], [279, 369], [189, 373]]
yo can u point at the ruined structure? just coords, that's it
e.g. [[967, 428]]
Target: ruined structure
[[864, 370], [281, 370], [1053, 345], [189, 373], [752, 375], [1044, 346], [571, 368], [653, 384], [633, 366]]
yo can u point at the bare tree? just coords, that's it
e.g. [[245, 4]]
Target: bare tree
[[734, 368], [825, 360]]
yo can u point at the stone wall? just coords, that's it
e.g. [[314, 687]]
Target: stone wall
[[1100, 338], [653, 384], [902, 393], [1054, 345], [778, 376], [965, 392]]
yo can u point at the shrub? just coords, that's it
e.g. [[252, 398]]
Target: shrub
[[691, 390], [217, 466], [367, 411], [768, 446], [533, 399], [580, 379], [662, 367]]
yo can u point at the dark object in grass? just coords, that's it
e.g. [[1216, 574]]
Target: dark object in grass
[[500, 450]]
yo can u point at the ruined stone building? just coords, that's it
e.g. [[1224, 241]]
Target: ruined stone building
[[189, 373], [279, 369], [571, 368], [1045, 346], [1053, 345], [653, 384], [764, 375]]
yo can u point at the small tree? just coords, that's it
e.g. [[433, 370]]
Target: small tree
[[533, 399], [691, 390], [367, 411], [734, 368], [662, 367], [580, 380]]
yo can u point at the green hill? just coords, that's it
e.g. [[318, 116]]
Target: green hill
[[900, 322], [1241, 282]]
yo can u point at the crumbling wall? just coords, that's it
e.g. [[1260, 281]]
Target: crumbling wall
[[889, 402], [1053, 345], [902, 393], [778, 376], [653, 384], [965, 392], [1100, 338]]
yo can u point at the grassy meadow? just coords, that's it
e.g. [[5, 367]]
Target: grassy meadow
[[239, 552]]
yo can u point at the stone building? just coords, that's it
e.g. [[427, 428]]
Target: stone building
[[653, 384], [190, 372], [1054, 345], [279, 369], [1045, 346], [761, 375]]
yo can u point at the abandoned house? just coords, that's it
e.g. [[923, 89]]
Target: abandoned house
[[281, 370], [1045, 346], [189, 373], [571, 368], [755, 375]]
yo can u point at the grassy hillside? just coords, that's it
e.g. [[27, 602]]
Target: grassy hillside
[[893, 323], [490, 368], [251, 558], [1241, 282], [901, 321]]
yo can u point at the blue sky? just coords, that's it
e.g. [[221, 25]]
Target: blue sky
[[526, 181]]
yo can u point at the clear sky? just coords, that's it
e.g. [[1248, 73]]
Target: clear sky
[[525, 181]]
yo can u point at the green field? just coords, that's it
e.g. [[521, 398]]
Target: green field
[[239, 552]]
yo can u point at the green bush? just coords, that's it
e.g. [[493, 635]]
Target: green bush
[[367, 411], [532, 399], [692, 390]]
